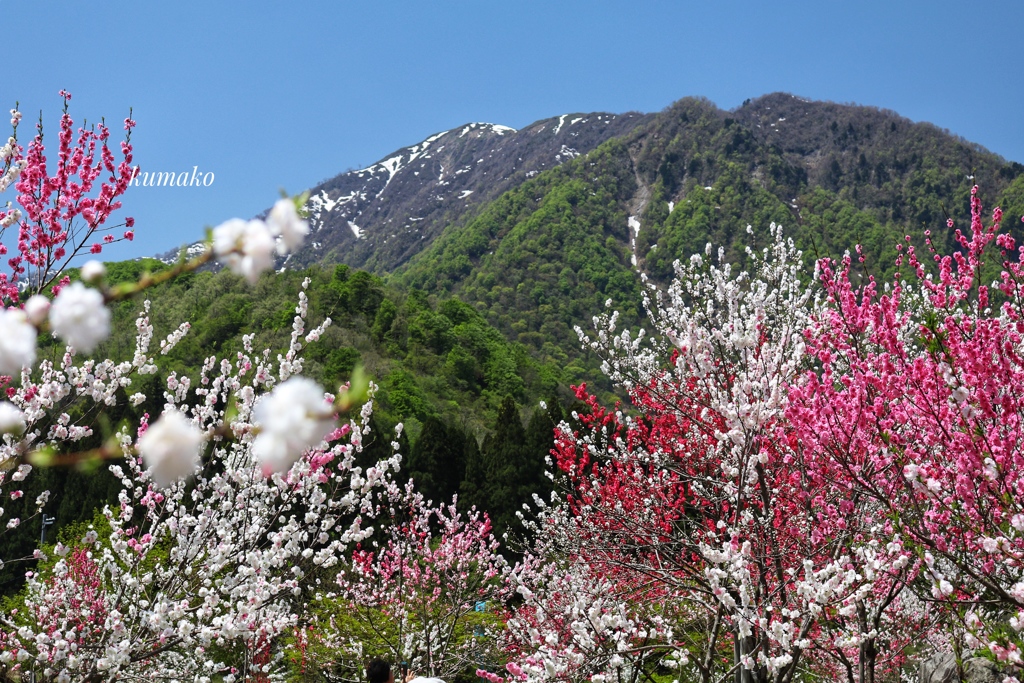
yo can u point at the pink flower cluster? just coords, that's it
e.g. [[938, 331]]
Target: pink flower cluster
[[917, 407], [422, 581], [64, 207]]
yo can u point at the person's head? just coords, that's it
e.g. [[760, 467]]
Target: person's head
[[379, 671]]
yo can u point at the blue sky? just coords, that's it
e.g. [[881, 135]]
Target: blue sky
[[284, 94]]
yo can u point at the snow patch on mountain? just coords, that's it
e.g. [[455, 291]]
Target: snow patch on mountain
[[323, 203], [392, 166], [493, 127], [634, 230], [567, 152]]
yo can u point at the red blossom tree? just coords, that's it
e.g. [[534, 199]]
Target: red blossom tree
[[701, 505]]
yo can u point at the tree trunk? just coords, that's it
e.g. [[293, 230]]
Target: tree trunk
[[868, 649], [868, 656], [741, 647]]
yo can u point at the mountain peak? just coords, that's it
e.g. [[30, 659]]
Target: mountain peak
[[377, 217]]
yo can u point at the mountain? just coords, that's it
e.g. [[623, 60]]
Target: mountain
[[536, 229], [834, 175], [546, 255], [378, 217]]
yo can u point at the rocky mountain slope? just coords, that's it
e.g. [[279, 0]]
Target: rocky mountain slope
[[378, 217]]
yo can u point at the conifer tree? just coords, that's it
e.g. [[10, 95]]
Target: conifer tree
[[437, 460], [507, 468], [455, 468], [540, 439], [472, 492]]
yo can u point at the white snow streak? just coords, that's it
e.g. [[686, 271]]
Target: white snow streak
[[392, 166], [634, 229]]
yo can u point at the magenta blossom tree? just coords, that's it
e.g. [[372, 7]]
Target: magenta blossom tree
[[918, 403]]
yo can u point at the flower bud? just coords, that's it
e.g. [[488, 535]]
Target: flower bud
[[93, 272], [36, 308]]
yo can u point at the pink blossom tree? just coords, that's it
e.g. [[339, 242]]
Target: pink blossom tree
[[421, 592], [916, 404], [64, 210]]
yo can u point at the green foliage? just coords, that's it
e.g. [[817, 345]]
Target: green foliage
[[718, 215], [131, 271], [437, 461], [510, 467], [405, 396], [541, 259], [315, 656]]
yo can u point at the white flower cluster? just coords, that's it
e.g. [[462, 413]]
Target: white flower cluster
[[12, 420], [170, 448], [17, 342], [213, 567], [247, 248], [577, 624], [11, 216], [98, 382], [80, 317], [7, 152], [292, 419], [77, 315]]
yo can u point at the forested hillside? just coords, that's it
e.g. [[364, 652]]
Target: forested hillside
[[834, 175], [451, 378], [547, 255]]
